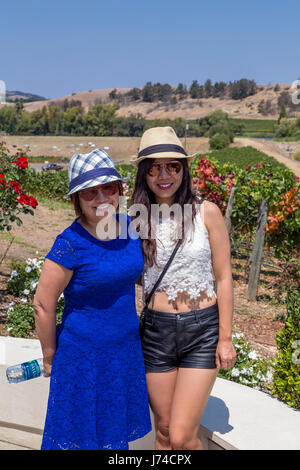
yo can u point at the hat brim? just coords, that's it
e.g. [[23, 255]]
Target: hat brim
[[92, 183], [135, 160]]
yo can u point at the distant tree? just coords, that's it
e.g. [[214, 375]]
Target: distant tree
[[134, 94], [73, 121], [240, 89], [55, 119], [284, 99], [40, 121], [131, 126], [71, 103], [196, 90], [211, 120], [282, 113], [113, 94], [8, 119], [19, 107], [219, 89], [163, 92], [219, 141], [100, 119], [148, 94], [181, 91], [208, 88], [157, 92]]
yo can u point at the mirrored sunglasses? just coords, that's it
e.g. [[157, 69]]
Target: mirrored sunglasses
[[108, 189], [173, 168]]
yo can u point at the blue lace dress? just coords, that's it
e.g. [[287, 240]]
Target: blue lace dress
[[98, 396]]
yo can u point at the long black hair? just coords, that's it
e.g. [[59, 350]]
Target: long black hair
[[142, 194]]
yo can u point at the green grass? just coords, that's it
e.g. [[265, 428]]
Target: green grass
[[43, 158], [17, 240], [54, 204], [266, 126], [243, 156]]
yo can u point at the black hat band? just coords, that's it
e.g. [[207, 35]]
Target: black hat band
[[161, 148]]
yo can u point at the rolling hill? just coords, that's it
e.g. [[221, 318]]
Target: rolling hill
[[247, 108]]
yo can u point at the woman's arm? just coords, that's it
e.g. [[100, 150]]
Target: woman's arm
[[221, 262], [53, 280]]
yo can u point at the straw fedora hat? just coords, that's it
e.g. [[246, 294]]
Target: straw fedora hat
[[160, 142]]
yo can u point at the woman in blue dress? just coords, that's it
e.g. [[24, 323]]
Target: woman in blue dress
[[98, 395]]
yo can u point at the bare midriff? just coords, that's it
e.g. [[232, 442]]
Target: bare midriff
[[183, 302]]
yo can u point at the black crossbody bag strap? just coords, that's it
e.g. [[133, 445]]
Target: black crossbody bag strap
[[147, 300], [162, 274]]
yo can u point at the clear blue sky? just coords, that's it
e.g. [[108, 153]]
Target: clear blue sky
[[62, 46]]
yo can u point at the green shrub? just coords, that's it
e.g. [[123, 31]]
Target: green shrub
[[48, 184], [22, 284], [289, 128], [286, 381], [20, 320], [250, 369], [54, 186], [219, 141], [222, 127], [24, 277]]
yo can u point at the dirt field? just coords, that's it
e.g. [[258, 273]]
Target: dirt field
[[119, 148], [122, 148]]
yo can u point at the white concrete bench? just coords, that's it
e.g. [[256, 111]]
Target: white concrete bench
[[236, 416]]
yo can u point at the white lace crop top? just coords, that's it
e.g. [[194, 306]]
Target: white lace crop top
[[191, 268]]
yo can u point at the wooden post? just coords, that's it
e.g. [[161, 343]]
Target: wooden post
[[257, 252], [229, 210], [5, 252]]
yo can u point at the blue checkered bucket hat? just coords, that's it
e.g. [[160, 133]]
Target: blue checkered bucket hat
[[90, 169]]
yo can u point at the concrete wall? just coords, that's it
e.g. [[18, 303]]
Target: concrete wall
[[236, 416]]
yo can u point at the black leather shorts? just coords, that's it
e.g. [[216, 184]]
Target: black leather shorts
[[188, 339]]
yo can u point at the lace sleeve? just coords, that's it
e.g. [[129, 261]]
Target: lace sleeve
[[63, 253]]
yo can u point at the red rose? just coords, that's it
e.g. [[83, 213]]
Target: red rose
[[21, 162], [33, 202], [15, 185], [24, 199]]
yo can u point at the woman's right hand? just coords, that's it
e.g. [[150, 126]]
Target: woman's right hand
[[47, 366]]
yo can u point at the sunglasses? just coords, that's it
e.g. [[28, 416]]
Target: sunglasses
[[108, 189], [173, 168]]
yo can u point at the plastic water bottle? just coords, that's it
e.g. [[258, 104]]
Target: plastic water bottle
[[25, 371]]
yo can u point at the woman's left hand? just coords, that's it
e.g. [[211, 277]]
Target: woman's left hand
[[225, 355]]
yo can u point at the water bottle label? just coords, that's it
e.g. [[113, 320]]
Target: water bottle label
[[31, 369]]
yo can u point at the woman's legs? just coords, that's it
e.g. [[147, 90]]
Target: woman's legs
[[161, 388], [193, 388], [178, 399]]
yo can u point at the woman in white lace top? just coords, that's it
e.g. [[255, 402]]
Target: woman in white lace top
[[187, 334]]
